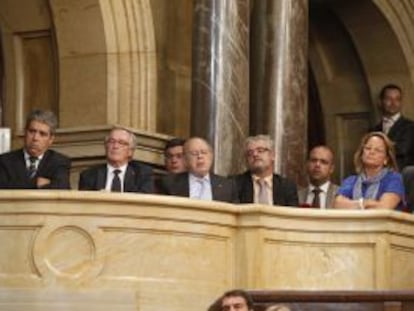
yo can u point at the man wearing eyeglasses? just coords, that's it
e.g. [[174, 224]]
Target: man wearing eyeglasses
[[259, 184], [199, 182], [120, 173]]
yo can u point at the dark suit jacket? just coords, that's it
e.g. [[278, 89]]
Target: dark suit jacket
[[223, 189], [54, 166], [402, 134], [330, 196], [138, 178], [284, 190]]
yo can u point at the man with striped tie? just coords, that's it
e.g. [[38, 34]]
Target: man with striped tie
[[35, 166]]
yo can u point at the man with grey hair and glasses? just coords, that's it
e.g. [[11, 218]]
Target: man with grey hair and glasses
[[259, 184], [120, 173], [35, 166]]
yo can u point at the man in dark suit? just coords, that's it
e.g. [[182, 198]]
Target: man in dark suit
[[198, 182], [320, 192], [35, 166], [401, 131], [120, 173], [259, 184], [398, 128]]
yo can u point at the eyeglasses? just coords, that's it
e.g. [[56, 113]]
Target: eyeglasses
[[259, 150], [121, 143], [197, 153]]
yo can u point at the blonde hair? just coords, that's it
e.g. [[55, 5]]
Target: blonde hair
[[390, 152], [278, 308]]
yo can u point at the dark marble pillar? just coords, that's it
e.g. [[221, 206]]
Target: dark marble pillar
[[279, 72], [220, 79]]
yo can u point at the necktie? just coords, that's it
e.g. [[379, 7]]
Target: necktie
[[31, 171], [386, 125], [316, 198], [203, 194], [116, 182], [263, 197]]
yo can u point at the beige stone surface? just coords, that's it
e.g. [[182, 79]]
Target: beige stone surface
[[181, 253]]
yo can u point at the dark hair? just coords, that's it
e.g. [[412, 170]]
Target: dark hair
[[174, 143], [239, 293], [43, 116], [389, 86]]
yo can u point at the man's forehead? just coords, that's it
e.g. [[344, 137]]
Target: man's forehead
[[39, 125], [233, 300], [119, 133], [321, 152]]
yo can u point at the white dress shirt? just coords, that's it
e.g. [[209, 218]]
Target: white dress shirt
[[200, 188], [110, 176], [322, 195]]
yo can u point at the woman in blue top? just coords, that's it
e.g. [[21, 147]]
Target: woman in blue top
[[378, 185]]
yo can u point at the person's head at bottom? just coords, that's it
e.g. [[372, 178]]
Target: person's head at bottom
[[236, 300]]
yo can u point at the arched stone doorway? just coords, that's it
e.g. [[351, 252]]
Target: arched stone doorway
[[355, 49]]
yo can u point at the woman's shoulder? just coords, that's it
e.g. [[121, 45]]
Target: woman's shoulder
[[350, 179], [393, 175]]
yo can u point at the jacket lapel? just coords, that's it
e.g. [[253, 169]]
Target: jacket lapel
[[101, 178], [20, 167], [129, 180], [216, 188], [330, 196], [248, 189]]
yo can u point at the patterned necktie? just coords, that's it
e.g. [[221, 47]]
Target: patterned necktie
[[116, 182], [31, 171], [316, 197], [263, 197]]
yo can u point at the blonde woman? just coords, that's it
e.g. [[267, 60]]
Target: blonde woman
[[377, 185]]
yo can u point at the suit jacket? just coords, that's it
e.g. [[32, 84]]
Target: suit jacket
[[54, 166], [223, 189], [138, 178], [284, 190], [402, 134], [330, 196]]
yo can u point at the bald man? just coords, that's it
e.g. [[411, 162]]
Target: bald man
[[199, 182]]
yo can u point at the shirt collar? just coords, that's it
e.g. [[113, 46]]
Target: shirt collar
[[268, 179], [393, 118], [324, 187], [194, 178], [111, 168], [27, 156]]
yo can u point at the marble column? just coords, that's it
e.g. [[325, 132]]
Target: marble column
[[279, 72], [220, 83]]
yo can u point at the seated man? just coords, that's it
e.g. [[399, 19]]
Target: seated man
[[120, 173], [320, 192], [259, 184], [36, 166], [198, 182], [174, 156]]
